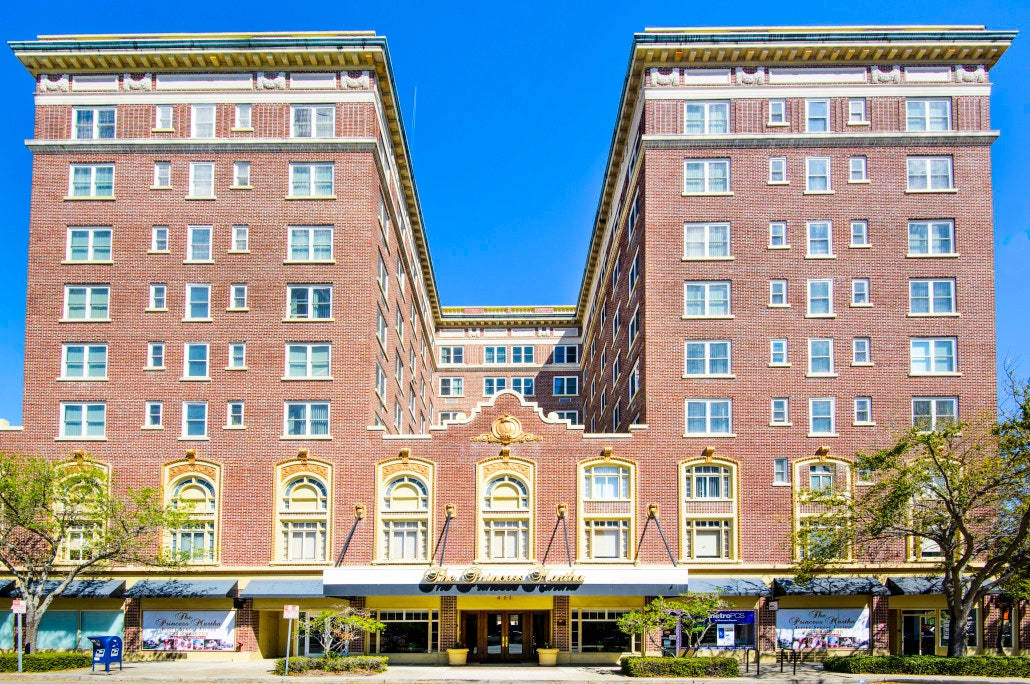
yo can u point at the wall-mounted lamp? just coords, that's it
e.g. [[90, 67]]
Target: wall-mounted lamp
[[563, 510], [450, 510], [359, 511]]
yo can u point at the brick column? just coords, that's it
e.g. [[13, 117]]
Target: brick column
[[1024, 628], [133, 624], [358, 603], [449, 622], [879, 624], [561, 624], [765, 630], [246, 625]]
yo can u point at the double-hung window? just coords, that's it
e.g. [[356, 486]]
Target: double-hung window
[[237, 356], [159, 239], [707, 117], [820, 239], [777, 170], [929, 238], [313, 121], [241, 174], [709, 416], [779, 409], [202, 121], [162, 174], [308, 360], [198, 243], [240, 238], [706, 176], [566, 353], [311, 180], [194, 419], [778, 234], [243, 117], [234, 414], [929, 174], [238, 297], [84, 361], [565, 385], [928, 115], [163, 117], [310, 301], [92, 123], [863, 410], [931, 297], [708, 357], [930, 413], [91, 180], [202, 179], [88, 244], [155, 355], [495, 355], [778, 352], [933, 355], [198, 301], [633, 384], [820, 477], [860, 292], [452, 387], [634, 326], [706, 240], [306, 418], [822, 416], [524, 386], [195, 361], [778, 112], [706, 298], [820, 297], [87, 302], [856, 111], [817, 174], [778, 293], [452, 354], [153, 418], [311, 243], [83, 420], [857, 170], [860, 354], [817, 116], [820, 356], [859, 233], [492, 386]]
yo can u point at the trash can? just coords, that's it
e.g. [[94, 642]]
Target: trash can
[[106, 650]]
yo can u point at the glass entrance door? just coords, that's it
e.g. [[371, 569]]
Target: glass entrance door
[[918, 632], [505, 636]]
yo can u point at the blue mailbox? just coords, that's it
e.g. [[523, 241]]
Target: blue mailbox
[[106, 650]]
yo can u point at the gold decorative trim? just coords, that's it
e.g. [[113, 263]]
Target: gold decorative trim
[[507, 429]]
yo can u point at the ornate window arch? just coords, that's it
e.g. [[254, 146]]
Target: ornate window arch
[[506, 503], [404, 506], [196, 486], [607, 509], [709, 510], [821, 473], [81, 531], [303, 511]]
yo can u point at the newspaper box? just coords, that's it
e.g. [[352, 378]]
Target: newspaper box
[[106, 650]]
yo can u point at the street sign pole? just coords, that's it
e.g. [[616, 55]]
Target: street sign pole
[[291, 613], [19, 641], [18, 607]]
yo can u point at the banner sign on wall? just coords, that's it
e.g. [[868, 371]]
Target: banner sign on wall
[[724, 635], [807, 628], [189, 630], [733, 617]]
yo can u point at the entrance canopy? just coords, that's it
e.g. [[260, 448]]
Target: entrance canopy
[[362, 580]]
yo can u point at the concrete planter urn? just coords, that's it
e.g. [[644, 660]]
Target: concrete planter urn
[[548, 656], [457, 656]]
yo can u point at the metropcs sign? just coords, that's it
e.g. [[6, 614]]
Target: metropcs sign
[[365, 580]]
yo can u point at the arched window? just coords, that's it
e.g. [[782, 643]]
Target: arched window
[[815, 530], [708, 530], [78, 491], [304, 520], [195, 541], [506, 518], [606, 510], [404, 520]]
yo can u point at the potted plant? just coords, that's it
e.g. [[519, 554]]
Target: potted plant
[[458, 654], [547, 655]]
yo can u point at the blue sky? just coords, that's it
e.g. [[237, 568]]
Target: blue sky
[[510, 128]]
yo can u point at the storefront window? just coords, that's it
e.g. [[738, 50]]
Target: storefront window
[[971, 622], [733, 636], [595, 631], [409, 631], [1005, 627]]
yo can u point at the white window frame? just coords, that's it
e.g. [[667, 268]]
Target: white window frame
[[93, 172], [707, 359], [158, 297], [708, 404], [87, 349], [931, 250], [773, 351], [149, 415], [779, 405], [243, 117], [196, 190], [155, 349], [308, 348], [164, 117], [810, 299], [524, 385], [924, 116], [522, 353], [863, 234], [858, 169], [162, 174], [455, 386], [493, 384], [91, 291], [809, 175], [233, 347], [707, 243], [186, 360], [860, 292], [565, 381], [832, 417], [778, 293], [633, 381], [777, 112], [310, 288], [857, 114], [95, 125], [809, 254], [812, 341], [452, 354], [235, 291], [935, 414], [706, 177], [932, 356], [773, 227], [863, 404], [565, 353], [926, 161], [778, 171], [185, 420], [190, 230], [199, 111], [91, 236], [240, 238], [310, 257], [241, 174], [313, 109], [931, 297], [156, 233], [84, 407], [706, 116], [307, 434], [495, 355], [189, 302], [858, 346], [312, 186], [708, 286], [809, 118]]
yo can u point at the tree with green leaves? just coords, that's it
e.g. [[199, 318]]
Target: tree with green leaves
[[692, 611], [335, 628], [60, 522], [956, 495]]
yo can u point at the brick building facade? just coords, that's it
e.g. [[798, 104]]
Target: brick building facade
[[231, 297]]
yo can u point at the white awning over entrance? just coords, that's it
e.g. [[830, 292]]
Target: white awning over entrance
[[366, 580]]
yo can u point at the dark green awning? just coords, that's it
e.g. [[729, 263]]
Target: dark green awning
[[829, 586], [182, 589]]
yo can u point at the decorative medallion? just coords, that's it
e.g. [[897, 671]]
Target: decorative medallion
[[271, 80], [890, 74], [49, 84], [144, 82], [975, 74], [506, 429], [754, 76]]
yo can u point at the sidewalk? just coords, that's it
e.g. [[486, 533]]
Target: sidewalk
[[259, 671]]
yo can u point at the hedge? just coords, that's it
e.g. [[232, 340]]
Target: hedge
[[975, 666], [637, 666], [361, 663], [45, 661]]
